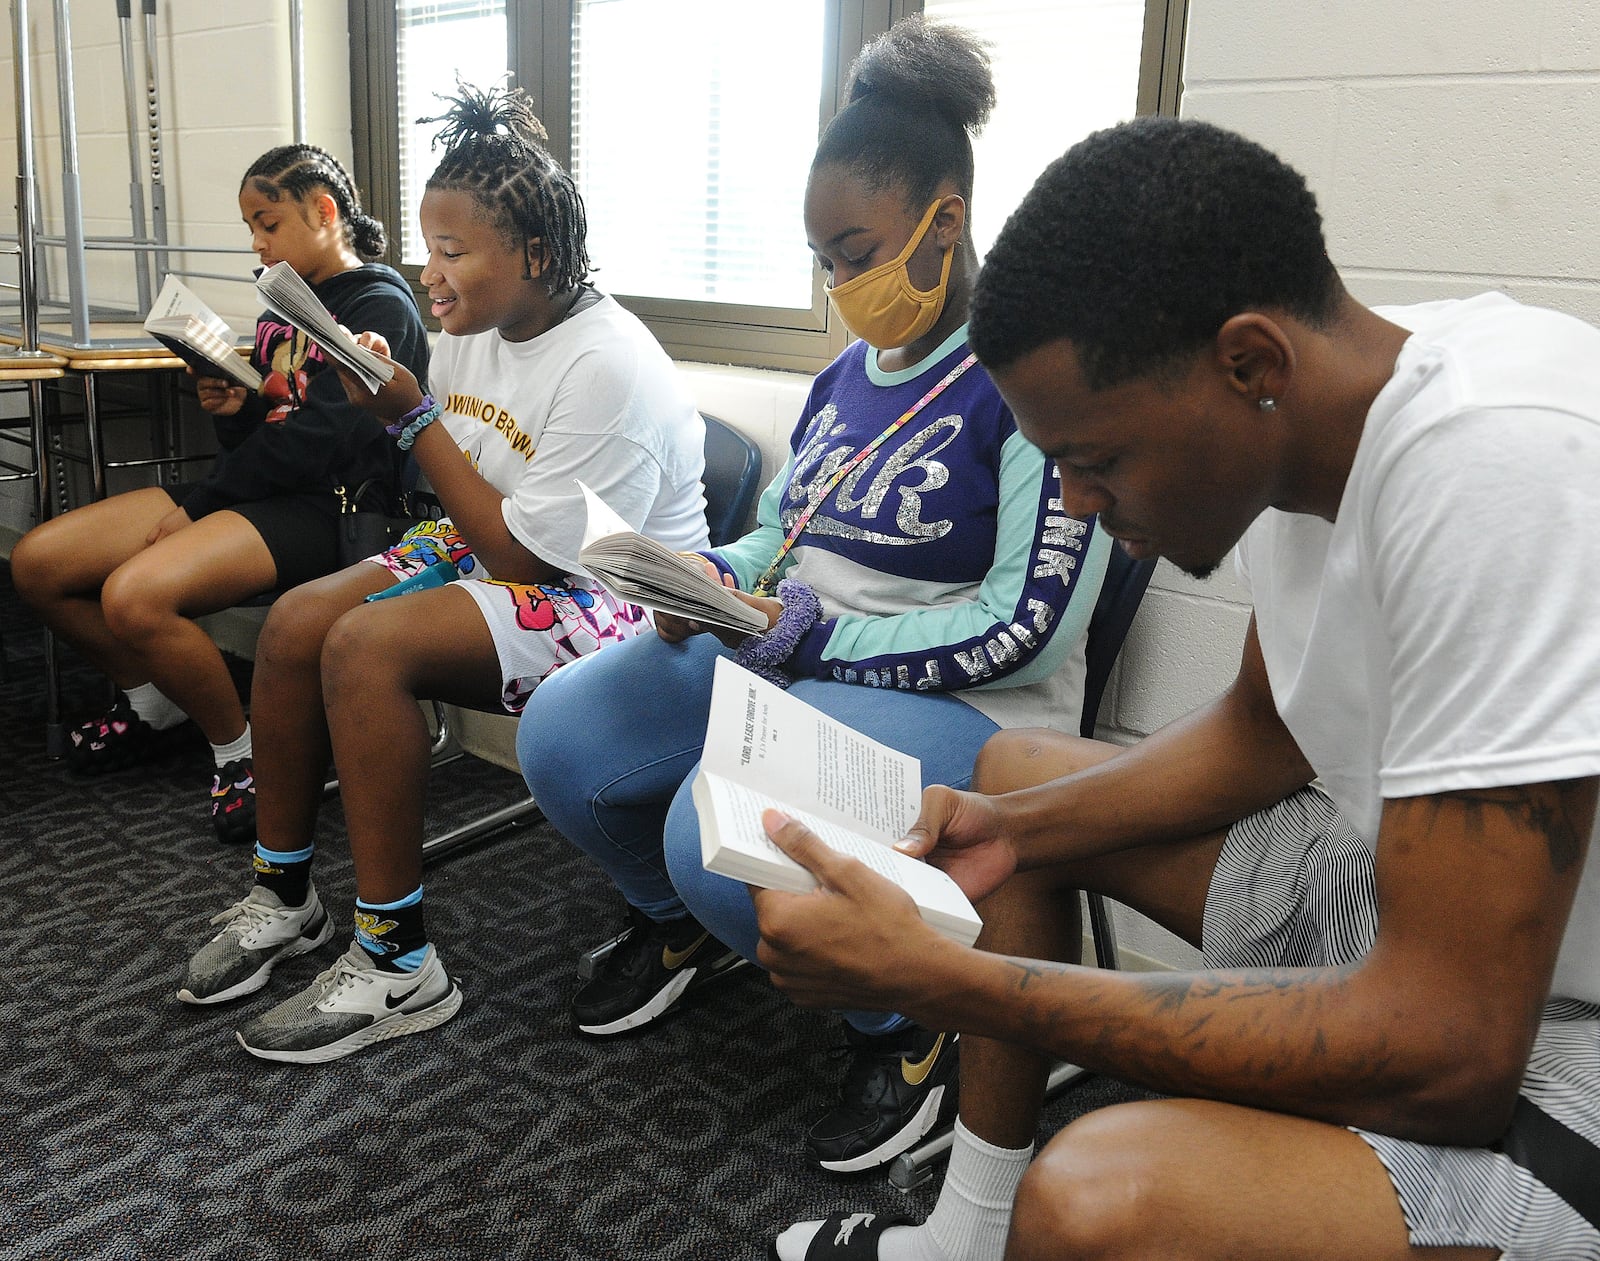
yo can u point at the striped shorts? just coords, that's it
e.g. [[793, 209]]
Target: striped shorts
[[536, 629], [1294, 888]]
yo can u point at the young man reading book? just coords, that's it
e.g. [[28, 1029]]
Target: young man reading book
[[1393, 1047]]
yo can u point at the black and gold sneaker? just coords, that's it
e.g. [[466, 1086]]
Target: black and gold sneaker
[[899, 1086], [647, 973]]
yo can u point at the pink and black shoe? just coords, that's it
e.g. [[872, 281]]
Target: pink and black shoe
[[233, 803], [117, 739]]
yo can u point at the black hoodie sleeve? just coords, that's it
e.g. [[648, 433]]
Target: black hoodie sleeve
[[324, 441]]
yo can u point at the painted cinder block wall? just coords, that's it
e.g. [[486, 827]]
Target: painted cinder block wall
[[223, 69], [1452, 145]]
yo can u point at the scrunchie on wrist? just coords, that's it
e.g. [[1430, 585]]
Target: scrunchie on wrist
[[765, 654], [398, 427], [408, 435]]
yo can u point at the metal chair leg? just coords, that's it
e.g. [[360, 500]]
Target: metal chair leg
[[522, 811], [589, 962]]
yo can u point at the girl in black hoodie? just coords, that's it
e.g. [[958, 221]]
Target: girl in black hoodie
[[121, 579]]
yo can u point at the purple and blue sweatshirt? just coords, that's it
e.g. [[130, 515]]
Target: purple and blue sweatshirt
[[944, 561]]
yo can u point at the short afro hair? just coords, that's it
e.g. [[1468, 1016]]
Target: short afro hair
[[1144, 239]]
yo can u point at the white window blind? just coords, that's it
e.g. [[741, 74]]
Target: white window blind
[[438, 41], [693, 125], [1062, 69]]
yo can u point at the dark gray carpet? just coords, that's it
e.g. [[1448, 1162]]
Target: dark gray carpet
[[133, 1126]]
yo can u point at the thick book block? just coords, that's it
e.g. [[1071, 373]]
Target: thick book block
[[645, 573], [767, 749], [196, 334]]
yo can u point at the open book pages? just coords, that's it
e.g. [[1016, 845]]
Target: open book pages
[[196, 334], [282, 289], [643, 572], [767, 749]]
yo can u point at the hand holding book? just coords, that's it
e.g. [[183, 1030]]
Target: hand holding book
[[766, 749], [284, 291], [395, 397], [855, 942], [197, 335], [642, 571], [219, 396]]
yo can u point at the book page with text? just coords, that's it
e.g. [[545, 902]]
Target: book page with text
[[761, 736], [766, 749]]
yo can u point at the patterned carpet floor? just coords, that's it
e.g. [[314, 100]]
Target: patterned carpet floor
[[134, 1126]]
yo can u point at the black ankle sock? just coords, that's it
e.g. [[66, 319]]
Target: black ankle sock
[[393, 933], [288, 877]]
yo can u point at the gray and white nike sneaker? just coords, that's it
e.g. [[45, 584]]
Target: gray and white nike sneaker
[[353, 1004], [257, 932]]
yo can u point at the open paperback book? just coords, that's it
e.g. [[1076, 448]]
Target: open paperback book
[[643, 572], [767, 749], [282, 289], [196, 334]]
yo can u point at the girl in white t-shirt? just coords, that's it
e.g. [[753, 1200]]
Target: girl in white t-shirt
[[537, 380]]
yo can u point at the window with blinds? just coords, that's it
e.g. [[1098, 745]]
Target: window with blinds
[[693, 123], [690, 124], [1062, 69], [437, 42]]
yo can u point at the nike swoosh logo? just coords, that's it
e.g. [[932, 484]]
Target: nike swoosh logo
[[916, 1073], [392, 1001], [672, 959]]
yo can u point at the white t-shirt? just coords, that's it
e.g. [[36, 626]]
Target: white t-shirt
[[595, 398], [1443, 633]]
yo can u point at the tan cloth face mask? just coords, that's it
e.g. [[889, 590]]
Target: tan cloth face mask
[[883, 307]]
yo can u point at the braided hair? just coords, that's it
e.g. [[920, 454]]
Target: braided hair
[[494, 151], [917, 94], [303, 170]]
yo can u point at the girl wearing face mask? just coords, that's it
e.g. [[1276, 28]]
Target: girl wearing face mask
[[917, 580]]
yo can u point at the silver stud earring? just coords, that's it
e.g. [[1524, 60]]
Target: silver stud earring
[[1267, 403]]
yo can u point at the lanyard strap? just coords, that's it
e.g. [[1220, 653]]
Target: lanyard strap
[[765, 586]]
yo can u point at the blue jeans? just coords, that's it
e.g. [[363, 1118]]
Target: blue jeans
[[610, 743]]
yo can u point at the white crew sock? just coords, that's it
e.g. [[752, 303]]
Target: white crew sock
[[973, 1216], [969, 1223], [233, 750], [156, 708]]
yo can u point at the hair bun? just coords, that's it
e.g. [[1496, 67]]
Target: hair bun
[[476, 113], [921, 65]]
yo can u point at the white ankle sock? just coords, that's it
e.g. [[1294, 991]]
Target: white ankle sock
[[969, 1223], [156, 708], [233, 750], [973, 1216]]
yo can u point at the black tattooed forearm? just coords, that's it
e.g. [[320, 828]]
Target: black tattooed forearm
[[1198, 1009]]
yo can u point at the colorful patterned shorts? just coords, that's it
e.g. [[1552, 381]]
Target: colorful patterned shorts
[[536, 629]]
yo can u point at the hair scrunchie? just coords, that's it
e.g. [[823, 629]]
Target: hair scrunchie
[[765, 654], [408, 435], [396, 429]]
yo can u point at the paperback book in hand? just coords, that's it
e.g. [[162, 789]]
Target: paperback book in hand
[[767, 749], [196, 334], [645, 573], [282, 289]]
